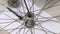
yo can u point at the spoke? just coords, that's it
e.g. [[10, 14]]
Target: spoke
[[6, 11], [46, 3], [47, 17], [31, 31], [24, 31], [36, 10], [28, 2], [46, 29], [9, 24], [7, 19], [26, 5], [9, 29], [53, 17], [14, 13], [8, 16], [33, 2], [43, 21], [27, 31], [52, 4], [19, 30], [19, 10], [32, 5], [41, 30], [20, 22], [36, 28], [4, 22], [12, 31], [15, 28], [54, 21], [23, 9]]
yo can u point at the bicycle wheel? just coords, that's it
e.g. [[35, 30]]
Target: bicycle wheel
[[25, 17]]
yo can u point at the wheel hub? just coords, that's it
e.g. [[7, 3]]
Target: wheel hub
[[29, 23]]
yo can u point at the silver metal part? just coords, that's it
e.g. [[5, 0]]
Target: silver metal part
[[29, 23], [29, 20]]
